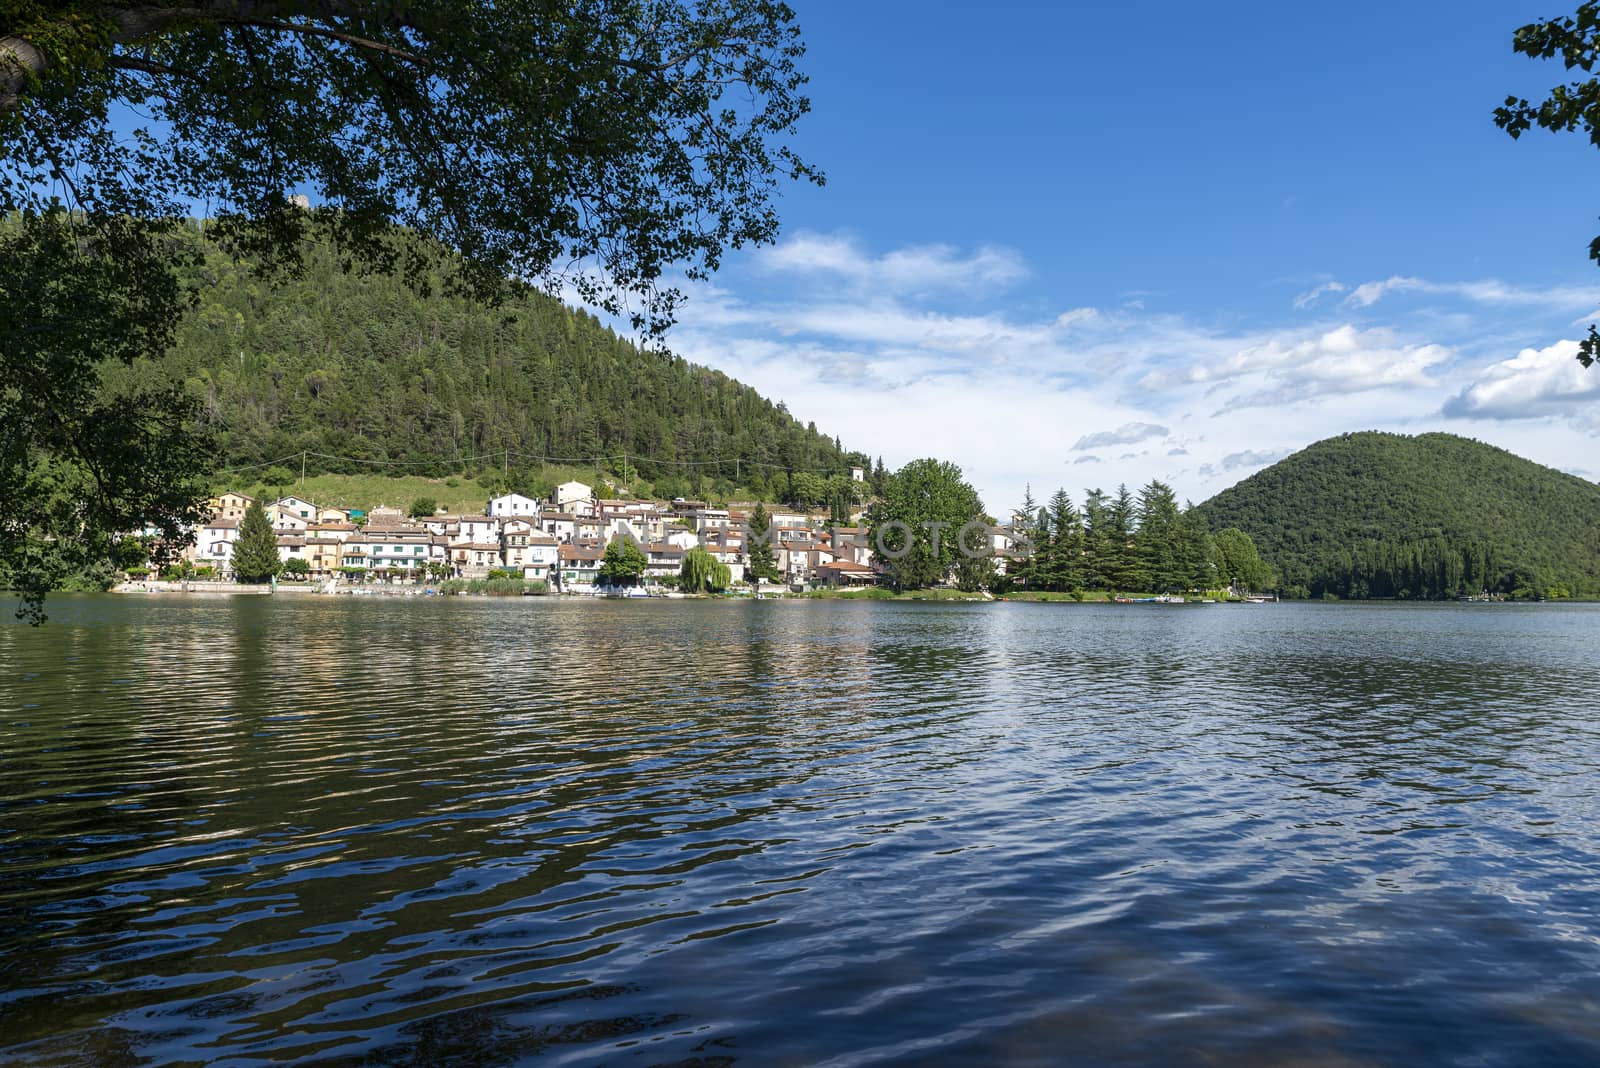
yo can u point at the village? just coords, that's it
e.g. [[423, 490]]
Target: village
[[555, 544]]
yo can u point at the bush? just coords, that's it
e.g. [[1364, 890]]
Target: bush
[[423, 507], [296, 567], [493, 587]]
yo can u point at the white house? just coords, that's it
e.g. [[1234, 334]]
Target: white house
[[568, 495], [480, 529], [513, 504], [213, 544], [561, 526], [579, 567], [288, 522], [529, 551], [293, 507]]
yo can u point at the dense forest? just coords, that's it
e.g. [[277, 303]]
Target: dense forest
[[365, 368], [1123, 542], [1431, 516]]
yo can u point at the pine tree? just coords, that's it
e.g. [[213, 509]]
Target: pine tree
[[1120, 569], [1025, 541], [255, 554], [1096, 538], [1157, 550], [759, 561], [1066, 543]]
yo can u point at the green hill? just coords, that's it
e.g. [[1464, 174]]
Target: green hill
[[1387, 515], [363, 368]]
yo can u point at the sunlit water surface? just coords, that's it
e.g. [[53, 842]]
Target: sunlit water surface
[[339, 831]]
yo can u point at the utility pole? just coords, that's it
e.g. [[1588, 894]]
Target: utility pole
[[302, 472]]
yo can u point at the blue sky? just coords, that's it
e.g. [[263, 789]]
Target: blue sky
[[1074, 244]]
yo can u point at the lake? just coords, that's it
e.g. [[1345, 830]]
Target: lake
[[343, 831]]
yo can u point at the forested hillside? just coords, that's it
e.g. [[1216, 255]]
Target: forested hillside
[[363, 367], [1436, 515]]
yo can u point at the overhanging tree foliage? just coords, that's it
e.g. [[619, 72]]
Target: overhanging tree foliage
[[593, 145], [1575, 39], [596, 143]]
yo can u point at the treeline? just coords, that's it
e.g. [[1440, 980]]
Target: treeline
[[366, 367], [1119, 542], [1436, 569], [1431, 516]]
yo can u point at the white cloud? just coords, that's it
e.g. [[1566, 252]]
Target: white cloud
[[1485, 292], [1305, 300], [1533, 384], [895, 355], [1253, 458], [913, 269], [1126, 434]]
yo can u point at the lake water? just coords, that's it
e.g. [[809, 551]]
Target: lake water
[[372, 831]]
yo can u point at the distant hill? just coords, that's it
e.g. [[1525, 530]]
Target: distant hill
[[1388, 515], [363, 367]]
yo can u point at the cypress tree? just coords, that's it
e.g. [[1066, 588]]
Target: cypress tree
[[255, 554], [759, 561]]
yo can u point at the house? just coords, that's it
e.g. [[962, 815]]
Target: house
[[407, 554], [513, 504], [292, 547], [441, 524], [474, 559], [709, 519], [528, 550], [663, 560], [683, 539], [296, 507], [333, 515], [383, 518], [213, 544], [799, 560], [330, 531], [562, 526], [845, 573], [852, 544], [322, 553], [353, 553], [858, 473], [579, 567], [229, 505], [481, 529], [288, 522], [572, 497]]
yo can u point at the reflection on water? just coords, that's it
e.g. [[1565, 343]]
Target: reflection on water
[[369, 832]]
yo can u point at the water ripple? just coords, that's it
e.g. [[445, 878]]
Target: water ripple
[[368, 832]]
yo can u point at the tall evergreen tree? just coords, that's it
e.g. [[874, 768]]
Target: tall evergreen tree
[[1196, 553], [1024, 539], [1096, 541], [1066, 543], [1120, 569], [759, 560], [255, 553], [1157, 551]]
